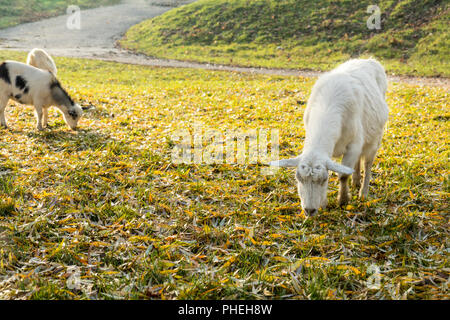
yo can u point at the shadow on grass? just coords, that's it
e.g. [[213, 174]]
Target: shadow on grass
[[80, 140]]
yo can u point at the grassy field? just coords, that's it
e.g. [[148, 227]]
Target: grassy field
[[14, 12], [414, 38], [108, 201]]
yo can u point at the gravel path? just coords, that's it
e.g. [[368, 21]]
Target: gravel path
[[102, 27]]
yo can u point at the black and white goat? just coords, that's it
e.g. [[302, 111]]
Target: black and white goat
[[29, 85]]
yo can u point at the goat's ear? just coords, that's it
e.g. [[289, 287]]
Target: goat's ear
[[287, 163], [339, 168]]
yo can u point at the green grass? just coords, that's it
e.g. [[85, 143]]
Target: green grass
[[14, 12], [108, 199], [414, 38]]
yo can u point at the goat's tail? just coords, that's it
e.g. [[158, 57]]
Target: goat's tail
[[40, 59]]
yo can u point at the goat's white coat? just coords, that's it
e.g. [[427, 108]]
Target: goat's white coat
[[345, 115], [39, 83], [40, 59]]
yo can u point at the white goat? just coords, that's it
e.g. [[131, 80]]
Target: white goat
[[345, 115], [40, 59], [29, 85]]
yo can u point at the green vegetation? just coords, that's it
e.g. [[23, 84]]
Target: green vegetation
[[414, 38], [13, 12], [108, 200]]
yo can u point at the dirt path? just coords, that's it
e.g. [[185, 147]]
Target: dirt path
[[102, 27]]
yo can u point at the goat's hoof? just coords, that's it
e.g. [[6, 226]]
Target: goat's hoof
[[363, 195], [342, 201]]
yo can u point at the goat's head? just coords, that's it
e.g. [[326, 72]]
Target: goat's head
[[312, 179], [72, 115]]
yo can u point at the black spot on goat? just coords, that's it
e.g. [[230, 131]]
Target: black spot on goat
[[4, 73], [21, 83]]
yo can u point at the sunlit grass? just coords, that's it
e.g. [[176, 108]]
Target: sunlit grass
[[108, 199]]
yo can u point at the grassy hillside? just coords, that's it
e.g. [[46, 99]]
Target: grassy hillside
[[13, 12], [109, 201], [414, 38]]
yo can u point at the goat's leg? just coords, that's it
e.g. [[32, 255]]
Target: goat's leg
[[39, 113], [44, 117], [356, 177], [3, 103], [369, 157], [350, 158]]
